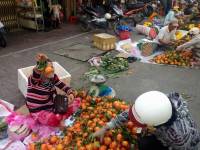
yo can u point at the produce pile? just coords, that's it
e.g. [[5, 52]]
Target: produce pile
[[110, 66], [114, 64], [180, 58], [181, 40], [95, 113], [179, 35], [189, 26]]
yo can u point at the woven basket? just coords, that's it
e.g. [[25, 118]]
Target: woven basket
[[147, 48]]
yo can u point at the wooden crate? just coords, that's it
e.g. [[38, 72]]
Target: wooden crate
[[104, 41]]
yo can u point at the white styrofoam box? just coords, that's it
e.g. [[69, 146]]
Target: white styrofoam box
[[24, 73]]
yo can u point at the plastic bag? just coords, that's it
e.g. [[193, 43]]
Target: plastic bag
[[5, 108]]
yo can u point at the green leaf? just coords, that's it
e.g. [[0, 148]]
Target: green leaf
[[38, 145], [97, 144], [76, 147]]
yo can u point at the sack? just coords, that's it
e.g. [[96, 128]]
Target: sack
[[60, 104]]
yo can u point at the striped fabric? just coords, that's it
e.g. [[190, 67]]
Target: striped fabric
[[40, 94]]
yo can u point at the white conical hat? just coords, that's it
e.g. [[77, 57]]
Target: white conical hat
[[152, 108]]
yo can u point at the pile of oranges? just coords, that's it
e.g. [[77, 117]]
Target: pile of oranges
[[179, 58], [95, 113]]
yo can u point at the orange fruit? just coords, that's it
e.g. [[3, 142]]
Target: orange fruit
[[98, 99], [101, 123], [85, 135], [122, 148], [53, 139], [88, 98], [113, 145], [96, 129], [107, 141], [134, 130], [89, 147], [130, 124], [109, 133], [49, 70], [124, 107], [45, 140], [119, 137], [77, 125], [31, 146], [59, 147], [82, 148], [92, 115], [125, 143], [44, 147], [116, 104], [103, 147], [96, 145], [78, 143], [49, 147]]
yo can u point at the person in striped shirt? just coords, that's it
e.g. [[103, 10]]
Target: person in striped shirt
[[174, 128], [42, 90]]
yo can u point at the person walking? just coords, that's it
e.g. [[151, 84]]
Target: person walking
[[167, 5]]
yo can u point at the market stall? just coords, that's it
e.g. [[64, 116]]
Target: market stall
[[78, 129]]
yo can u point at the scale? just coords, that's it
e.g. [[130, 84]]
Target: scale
[[99, 88]]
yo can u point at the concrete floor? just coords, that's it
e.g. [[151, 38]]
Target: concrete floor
[[141, 78]]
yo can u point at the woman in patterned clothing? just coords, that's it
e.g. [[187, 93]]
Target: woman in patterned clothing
[[42, 90], [169, 115]]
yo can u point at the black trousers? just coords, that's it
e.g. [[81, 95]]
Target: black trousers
[[150, 143]]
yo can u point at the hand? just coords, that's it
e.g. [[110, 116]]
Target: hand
[[179, 48], [75, 93], [70, 98], [171, 43], [151, 129], [100, 133]]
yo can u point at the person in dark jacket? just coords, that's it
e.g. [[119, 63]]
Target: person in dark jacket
[[168, 114], [167, 5]]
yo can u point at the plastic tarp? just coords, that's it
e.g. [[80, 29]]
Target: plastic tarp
[[5, 108]]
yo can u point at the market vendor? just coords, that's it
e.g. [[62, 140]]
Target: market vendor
[[163, 41], [42, 91], [168, 114], [193, 44], [166, 35]]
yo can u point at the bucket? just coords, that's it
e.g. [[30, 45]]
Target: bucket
[[123, 35]]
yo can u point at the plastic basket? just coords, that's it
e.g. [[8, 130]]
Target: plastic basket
[[24, 73], [123, 35]]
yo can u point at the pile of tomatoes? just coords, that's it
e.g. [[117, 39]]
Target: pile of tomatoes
[[95, 113], [179, 58]]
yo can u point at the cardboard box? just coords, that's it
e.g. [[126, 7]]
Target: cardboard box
[[104, 41], [24, 73]]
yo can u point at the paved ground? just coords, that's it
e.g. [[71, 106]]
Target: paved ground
[[143, 77], [29, 38]]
